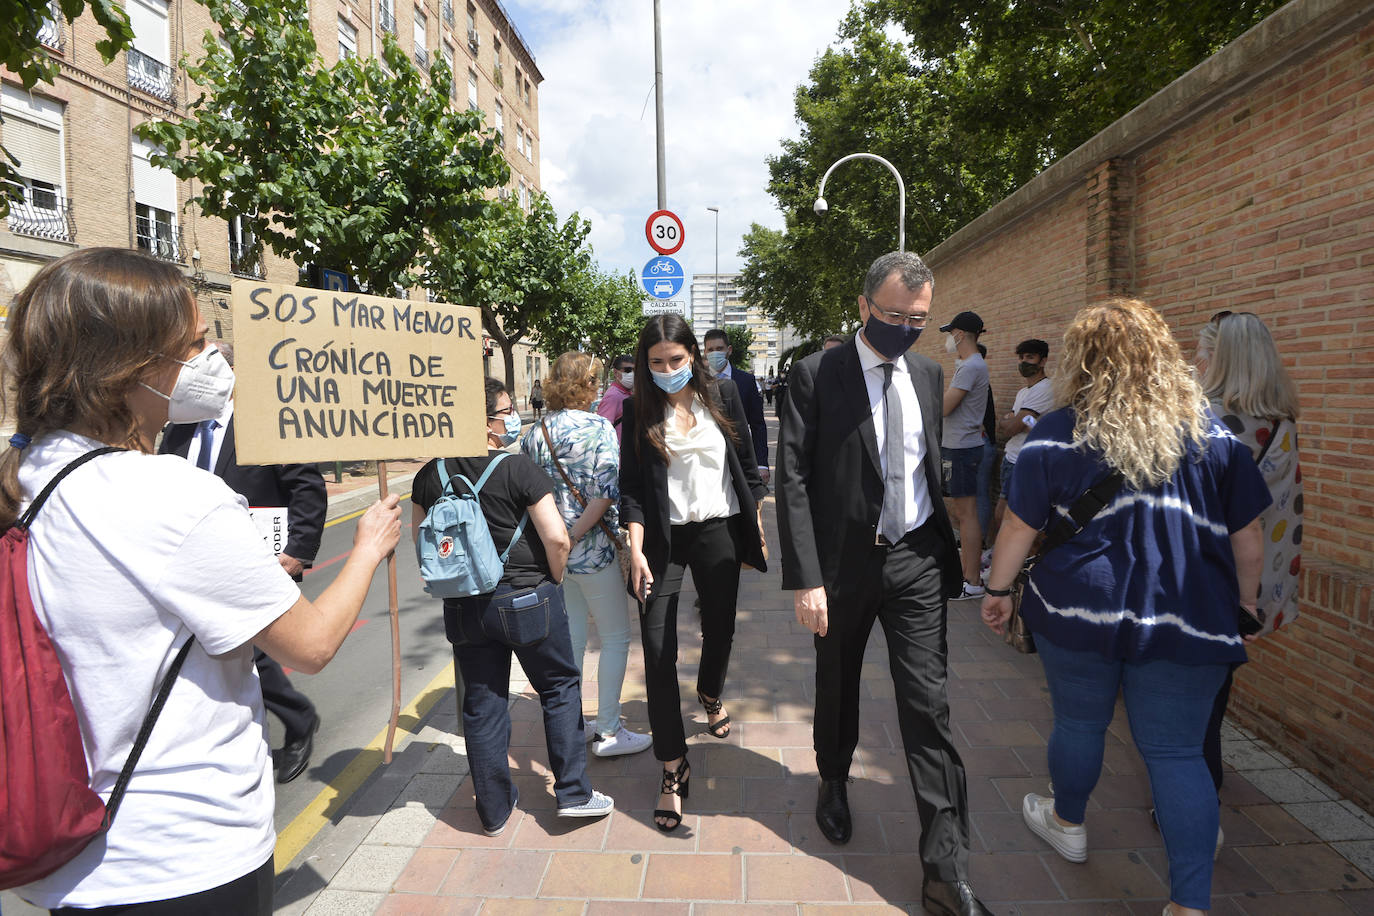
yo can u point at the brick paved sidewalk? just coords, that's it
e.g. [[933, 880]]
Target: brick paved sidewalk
[[410, 842]]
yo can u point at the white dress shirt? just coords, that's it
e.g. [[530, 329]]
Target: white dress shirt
[[918, 503], [216, 438], [698, 474]]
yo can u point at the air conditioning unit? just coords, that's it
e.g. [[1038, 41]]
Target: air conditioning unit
[[474, 39]]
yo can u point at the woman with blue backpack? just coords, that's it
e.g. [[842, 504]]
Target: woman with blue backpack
[[496, 606]]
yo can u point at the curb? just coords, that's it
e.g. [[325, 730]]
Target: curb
[[341, 504]]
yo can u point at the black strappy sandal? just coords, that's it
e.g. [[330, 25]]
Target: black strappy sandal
[[675, 782], [720, 729]]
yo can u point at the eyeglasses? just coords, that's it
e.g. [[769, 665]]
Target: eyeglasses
[[912, 321], [502, 413]]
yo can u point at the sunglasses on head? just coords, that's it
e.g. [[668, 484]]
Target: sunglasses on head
[[1216, 319]]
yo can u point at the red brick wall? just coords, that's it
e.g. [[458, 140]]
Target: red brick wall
[[1260, 201]]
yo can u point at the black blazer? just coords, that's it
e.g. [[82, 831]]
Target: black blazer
[[830, 486], [644, 485], [748, 387], [298, 487]]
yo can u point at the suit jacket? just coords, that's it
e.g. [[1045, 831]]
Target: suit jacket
[[644, 485], [830, 485], [298, 487], [749, 395]]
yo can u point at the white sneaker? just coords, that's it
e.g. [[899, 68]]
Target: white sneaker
[[1070, 842], [597, 806], [622, 741], [970, 591], [986, 559]]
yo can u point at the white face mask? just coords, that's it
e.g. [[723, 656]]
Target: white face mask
[[628, 379], [951, 344], [203, 387]]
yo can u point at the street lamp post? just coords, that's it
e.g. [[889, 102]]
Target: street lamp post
[[715, 293], [820, 206]]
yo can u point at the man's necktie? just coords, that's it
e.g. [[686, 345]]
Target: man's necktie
[[206, 431], [894, 451]]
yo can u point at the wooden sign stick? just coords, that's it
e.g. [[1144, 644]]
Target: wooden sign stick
[[395, 631]]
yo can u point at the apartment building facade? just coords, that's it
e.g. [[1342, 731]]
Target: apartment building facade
[[716, 301], [88, 179]]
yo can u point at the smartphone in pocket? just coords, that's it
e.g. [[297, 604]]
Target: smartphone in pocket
[[528, 600]]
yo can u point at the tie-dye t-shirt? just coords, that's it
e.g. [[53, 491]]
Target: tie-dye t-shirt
[[1282, 521], [1151, 576]]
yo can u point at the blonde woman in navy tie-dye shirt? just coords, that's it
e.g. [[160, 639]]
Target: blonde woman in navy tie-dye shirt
[[1144, 599]]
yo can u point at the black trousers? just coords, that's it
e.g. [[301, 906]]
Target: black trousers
[[899, 586], [710, 550], [294, 708], [1211, 742], [250, 895]]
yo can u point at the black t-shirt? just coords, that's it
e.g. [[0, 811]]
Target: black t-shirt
[[515, 485]]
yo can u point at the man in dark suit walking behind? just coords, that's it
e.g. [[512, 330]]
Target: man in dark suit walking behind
[[300, 488], [718, 352], [865, 536]]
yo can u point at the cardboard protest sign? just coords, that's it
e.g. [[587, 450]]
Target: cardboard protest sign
[[335, 376]]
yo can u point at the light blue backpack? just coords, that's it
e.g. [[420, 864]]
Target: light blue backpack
[[457, 556]]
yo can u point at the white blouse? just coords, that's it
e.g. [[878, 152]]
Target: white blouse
[[698, 476]]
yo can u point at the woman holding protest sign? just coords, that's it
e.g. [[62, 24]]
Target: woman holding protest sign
[[105, 346]]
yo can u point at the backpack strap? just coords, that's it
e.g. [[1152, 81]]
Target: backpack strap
[[146, 729], [27, 518], [519, 530], [481, 481], [476, 488]]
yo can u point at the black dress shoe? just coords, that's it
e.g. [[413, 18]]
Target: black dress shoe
[[294, 756], [952, 898], [832, 810]]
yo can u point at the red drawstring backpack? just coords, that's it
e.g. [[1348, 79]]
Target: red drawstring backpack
[[48, 812]]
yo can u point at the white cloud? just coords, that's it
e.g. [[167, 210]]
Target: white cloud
[[730, 71]]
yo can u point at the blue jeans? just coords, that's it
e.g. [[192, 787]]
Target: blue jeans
[[1168, 706], [485, 631], [986, 464]]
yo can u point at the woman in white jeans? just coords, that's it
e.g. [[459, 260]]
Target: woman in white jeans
[[586, 455]]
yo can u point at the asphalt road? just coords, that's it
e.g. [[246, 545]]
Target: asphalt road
[[353, 694]]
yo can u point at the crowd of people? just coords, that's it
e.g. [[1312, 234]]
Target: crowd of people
[[885, 478]]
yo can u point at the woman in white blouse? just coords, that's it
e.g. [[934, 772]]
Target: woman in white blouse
[[690, 491]]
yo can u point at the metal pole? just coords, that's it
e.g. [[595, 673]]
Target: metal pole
[[715, 292], [901, 190], [658, 110]]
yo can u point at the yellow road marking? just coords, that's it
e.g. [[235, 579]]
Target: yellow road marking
[[352, 515], [297, 834]]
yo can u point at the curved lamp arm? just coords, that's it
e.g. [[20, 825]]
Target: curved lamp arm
[[820, 206]]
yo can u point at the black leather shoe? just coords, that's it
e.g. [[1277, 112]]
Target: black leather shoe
[[832, 811], [294, 756], [952, 898]]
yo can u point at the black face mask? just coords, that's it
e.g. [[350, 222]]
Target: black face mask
[[1028, 370], [891, 340]]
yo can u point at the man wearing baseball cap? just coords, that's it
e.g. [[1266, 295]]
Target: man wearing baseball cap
[[962, 442]]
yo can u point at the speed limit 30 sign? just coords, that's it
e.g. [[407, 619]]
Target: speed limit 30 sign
[[664, 231]]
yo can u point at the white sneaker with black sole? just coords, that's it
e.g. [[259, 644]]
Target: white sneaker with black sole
[[597, 806], [970, 591], [1070, 842], [622, 741]]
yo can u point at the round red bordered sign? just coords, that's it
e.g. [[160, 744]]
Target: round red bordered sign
[[664, 231]]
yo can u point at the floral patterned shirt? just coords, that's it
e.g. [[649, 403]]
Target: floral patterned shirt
[[587, 448]]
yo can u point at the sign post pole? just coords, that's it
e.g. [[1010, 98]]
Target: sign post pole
[[393, 607]]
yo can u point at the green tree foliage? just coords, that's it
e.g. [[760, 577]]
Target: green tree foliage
[[522, 270], [607, 306], [969, 99], [23, 54], [351, 167], [740, 338]]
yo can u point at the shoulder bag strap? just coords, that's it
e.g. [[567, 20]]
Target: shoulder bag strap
[[577, 495], [140, 742], [1273, 434], [1084, 509], [27, 518]]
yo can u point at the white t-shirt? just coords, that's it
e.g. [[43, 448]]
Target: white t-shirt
[[1039, 398], [698, 474], [130, 556]]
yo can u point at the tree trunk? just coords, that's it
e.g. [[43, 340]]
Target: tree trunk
[[508, 357]]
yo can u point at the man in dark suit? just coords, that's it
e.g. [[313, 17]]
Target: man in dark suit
[[300, 488], [865, 536], [717, 342]]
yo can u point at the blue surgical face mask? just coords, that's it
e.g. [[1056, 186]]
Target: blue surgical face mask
[[891, 340], [717, 360], [512, 421], [673, 382]]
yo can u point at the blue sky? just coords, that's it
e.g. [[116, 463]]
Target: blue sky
[[730, 70]]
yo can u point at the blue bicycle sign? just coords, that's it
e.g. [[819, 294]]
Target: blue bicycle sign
[[662, 277]]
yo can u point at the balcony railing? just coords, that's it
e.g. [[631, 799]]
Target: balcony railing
[[447, 11], [150, 75], [421, 58], [50, 32], [51, 221], [245, 259], [386, 18], [161, 241]]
